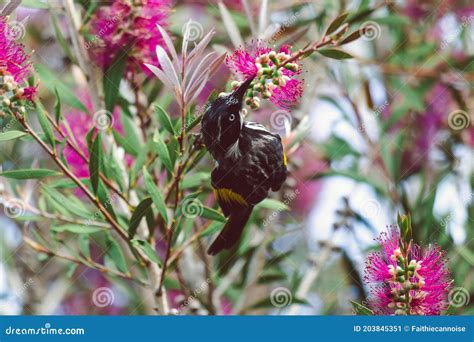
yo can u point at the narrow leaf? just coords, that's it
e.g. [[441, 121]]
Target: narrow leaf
[[147, 249], [57, 106], [164, 119], [336, 23], [334, 53], [11, 135], [162, 151], [273, 204], [212, 214], [94, 164], [115, 254], [45, 124], [77, 229], [30, 173], [350, 38], [155, 194]]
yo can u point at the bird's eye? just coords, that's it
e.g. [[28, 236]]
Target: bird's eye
[[231, 117]]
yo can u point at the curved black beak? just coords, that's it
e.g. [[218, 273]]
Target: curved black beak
[[242, 89]]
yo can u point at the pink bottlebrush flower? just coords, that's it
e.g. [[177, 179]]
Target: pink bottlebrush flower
[[279, 84], [416, 282], [288, 95], [132, 28], [13, 58]]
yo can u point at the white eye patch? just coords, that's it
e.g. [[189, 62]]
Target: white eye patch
[[231, 117]]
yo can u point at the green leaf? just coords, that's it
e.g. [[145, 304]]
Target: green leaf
[[11, 135], [336, 23], [115, 254], [77, 229], [71, 205], [57, 106], [404, 223], [162, 151], [336, 148], [49, 79], [269, 302], [112, 77], [164, 119], [112, 169], [147, 249], [155, 194], [30, 173], [103, 195], [141, 210], [362, 14], [84, 245], [214, 227], [60, 37], [94, 164], [125, 143], [269, 276], [351, 37], [396, 21], [27, 218], [212, 214], [131, 133], [397, 114], [45, 124], [173, 149], [334, 53], [71, 269], [361, 310], [195, 179], [40, 4]]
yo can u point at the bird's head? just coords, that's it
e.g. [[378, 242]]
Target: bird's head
[[222, 122]]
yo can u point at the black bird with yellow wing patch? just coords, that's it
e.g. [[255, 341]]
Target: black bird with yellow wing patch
[[249, 162]]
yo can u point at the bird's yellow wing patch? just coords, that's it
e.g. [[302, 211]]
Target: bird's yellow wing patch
[[284, 158], [227, 195]]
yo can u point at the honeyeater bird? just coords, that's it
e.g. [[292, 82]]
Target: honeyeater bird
[[249, 162]]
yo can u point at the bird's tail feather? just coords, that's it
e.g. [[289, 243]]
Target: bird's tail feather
[[232, 231]]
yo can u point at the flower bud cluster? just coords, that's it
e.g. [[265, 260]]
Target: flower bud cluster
[[13, 97], [404, 280], [269, 77]]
